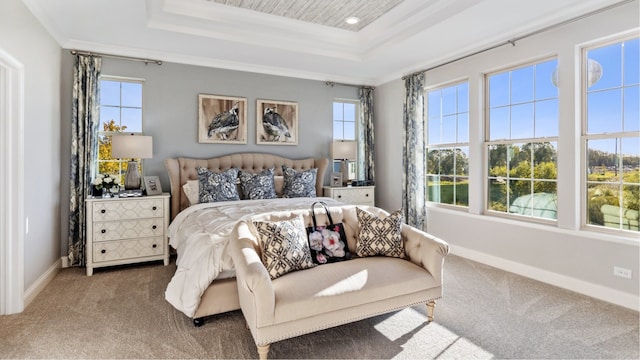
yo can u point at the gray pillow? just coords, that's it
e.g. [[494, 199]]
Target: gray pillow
[[258, 186], [218, 186], [299, 183]]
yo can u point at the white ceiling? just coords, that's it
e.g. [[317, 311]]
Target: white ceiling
[[412, 35]]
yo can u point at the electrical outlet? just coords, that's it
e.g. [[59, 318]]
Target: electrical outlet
[[622, 272]]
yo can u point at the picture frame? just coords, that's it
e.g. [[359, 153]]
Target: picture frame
[[336, 179], [152, 185], [276, 122], [222, 119]]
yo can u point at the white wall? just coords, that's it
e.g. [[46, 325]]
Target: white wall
[[22, 36], [563, 254]]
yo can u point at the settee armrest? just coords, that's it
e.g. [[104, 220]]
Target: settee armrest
[[255, 290], [425, 250]]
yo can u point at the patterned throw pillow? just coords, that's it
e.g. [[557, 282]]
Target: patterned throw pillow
[[284, 246], [258, 186], [379, 236], [299, 183], [218, 186]]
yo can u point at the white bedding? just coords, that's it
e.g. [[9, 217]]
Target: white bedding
[[200, 234]]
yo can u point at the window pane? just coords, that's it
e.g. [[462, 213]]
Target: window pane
[[449, 101], [604, 111], [631, 160], [132, 94], [610, 59], [463, 128], [337, 130], [520, 163], [349, 131], [463, 97], [597, 196], [632, 61], [433, 192], [462, 191], [544, 161], [132, 119], [108, 113], [522, 121], [603, 160], [632, 108], [349, 112], [544, 85], [447, 159], [498, 195], [337, 111], [433, 162], [498, 160], [499, 89], [434, 131], [449, 129], [499, 123], [109, 92], [522, 85], [546, 118], [462, 161]]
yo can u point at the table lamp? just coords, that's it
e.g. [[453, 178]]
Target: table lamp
[[345, 151], [132, 147]]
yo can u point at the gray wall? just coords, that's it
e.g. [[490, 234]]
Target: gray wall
[[561, 254], [22, 37], [170, 113]]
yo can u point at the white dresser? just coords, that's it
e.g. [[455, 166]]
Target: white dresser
[[126, 230], [356, 195]]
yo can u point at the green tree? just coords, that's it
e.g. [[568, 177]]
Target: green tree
[[108, 165]]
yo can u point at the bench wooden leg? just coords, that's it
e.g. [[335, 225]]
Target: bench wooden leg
[[431, 306], [263, 351]]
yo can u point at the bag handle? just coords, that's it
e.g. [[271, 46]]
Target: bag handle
[[326, 209]]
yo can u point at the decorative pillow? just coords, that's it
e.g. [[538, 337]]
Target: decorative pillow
[[379, 236], [218, 186], [258, 186], [192, 190], [299, 183], [284, 246]]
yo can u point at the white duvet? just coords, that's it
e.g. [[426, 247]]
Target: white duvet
[[200, 235]]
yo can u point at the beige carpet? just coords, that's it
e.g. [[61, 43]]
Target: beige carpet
[[486, 313]]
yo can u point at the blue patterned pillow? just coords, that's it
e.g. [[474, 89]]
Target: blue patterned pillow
[[218, 186], [299, 183], [258, 186]]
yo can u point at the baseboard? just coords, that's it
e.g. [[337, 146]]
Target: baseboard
[[580, 286], [41, 282]]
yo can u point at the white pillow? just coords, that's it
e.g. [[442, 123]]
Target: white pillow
[[192, 190]]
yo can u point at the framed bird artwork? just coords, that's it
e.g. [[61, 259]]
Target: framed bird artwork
[[222, 119], [276, 122]]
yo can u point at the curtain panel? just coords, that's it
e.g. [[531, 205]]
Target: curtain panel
[[413, 162], [365, 135], [84, 148]]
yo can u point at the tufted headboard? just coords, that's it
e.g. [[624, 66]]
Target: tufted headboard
[[183, 169]]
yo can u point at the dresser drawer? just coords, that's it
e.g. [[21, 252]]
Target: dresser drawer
[[127, 229], [355, 195], [127, 249], [127, 209]]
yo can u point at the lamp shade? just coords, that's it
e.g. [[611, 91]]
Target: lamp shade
[[343, 150], [131, 146]]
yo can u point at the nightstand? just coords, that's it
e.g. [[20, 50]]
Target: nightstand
[[126, 230], [356, 195]]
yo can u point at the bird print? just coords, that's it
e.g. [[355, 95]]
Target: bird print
[[274, 125], [224, 123]]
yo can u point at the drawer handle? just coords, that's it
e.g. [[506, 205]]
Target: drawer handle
[[103, 211], [367, 195], [154, 227], [339, 196], [154, 208], [103, 231], [103, 251], [154, 246]]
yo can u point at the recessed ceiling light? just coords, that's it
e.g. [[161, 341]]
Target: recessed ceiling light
[[352, 20]]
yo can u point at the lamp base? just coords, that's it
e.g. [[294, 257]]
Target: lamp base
[[344, 169], [132, 177]]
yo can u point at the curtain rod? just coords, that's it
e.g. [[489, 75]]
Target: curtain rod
[[512, 41], [332, 83], [88, 53]]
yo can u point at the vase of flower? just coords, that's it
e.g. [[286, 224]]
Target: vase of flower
[[96, 191], [105, 185]]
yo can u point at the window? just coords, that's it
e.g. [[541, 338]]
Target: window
[[521, 144], [345, 113], [120, 110], [448, 145], [611, 134]]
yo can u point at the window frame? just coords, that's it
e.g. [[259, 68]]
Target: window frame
[[487, 143], [336, 164], [123, 163], [585, 137], [445, 146]]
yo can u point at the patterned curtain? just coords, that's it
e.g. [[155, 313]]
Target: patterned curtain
[[413, 162], [365, 136], [84, 148]]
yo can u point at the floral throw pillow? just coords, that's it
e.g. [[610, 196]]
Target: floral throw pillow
[[218, 186], [379, 236], [299, 183], [284, 246], [258, 186]]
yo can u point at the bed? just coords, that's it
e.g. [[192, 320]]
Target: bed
[[204, 283]]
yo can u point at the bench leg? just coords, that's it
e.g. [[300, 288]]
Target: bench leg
[[263, 351], [431, 306]]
